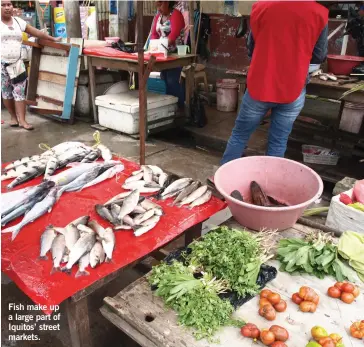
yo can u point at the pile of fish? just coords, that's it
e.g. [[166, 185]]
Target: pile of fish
[[55, 158], [130, 211], [81, 242], [33, 202], [152, 179]]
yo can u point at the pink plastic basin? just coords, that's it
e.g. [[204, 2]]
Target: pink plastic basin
[[283, 179]]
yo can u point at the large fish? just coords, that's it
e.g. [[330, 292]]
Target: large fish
[[31, 172], [38, 210], [177, 185], [97, 254], [109, 173], [194, 195], [83, 245], [21, 169], [105, 152], [108, 243], [129, 204], [157, 171], [187, 191], [104, 213], [51, 167], [46, 241], [83, 263], [58, 251], [92, 156], [147, 174], [67, 176], [21, 161], [134, 178], [202, 199], [143, 217]]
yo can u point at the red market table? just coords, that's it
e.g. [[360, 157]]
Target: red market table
[[20, 258]]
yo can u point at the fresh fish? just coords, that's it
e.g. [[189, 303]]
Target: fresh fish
[[187, 191], [179, 184], [138, 231], [105, 152], [96, 227], [72, 155], [22, 161], [83, 263], [117, 197], [122, 227], [72, 235], [38, 210], [139, 209], [51, 167], [156, 170], [202, 200], [142, 217], [83, 245], [115, 210], [194, 196], [97, 254], [92, 156], [170, 179], [162, 179], [137, 172], [109, 173], [153, 185], [46, 241], [130, 202], [171, 194], [149, 190], [104, 213], [67, 176], [68, 145], [21, 169], [152, 220], [128, 220], [147, 174], [237, 195], [147, 204], [121, 201], [65, 258], [108, 243], [133, 185], [31, 172], [258, 195], [134, 178], [58, 251], [80, 220], [11, 197]]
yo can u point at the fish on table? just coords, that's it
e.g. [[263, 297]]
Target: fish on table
[[129, 204], [46, 241], [108, 243], [58, 250], [83, 263], [109, 173], [97, 254]]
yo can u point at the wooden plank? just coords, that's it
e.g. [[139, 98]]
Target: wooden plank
[[52, 77], [116, 64], [41, 103], [31, 102], [78, 322], [92, 88], [51, 64], [56, 45], [49, 100], [51, 90], [33, 74], [46, 111], [31, 44]]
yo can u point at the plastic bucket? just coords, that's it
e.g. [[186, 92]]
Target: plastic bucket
[[183, 50], [342, 64], [227, 95], [275, 176]]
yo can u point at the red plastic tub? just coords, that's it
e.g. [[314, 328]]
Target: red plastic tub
[[342, 64]]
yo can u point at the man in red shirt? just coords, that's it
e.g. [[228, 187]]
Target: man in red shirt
[[286, 36]]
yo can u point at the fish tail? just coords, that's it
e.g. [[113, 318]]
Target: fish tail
[[55, 269], [43, 257], [80, 273], [14, 233]]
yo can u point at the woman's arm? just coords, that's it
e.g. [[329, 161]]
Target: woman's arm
[[154, 35], [177, 25], [40, 34]]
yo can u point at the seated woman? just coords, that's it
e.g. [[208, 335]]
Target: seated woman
[[169, 22]]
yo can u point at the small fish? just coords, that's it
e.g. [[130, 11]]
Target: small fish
[[80, 220], [142, 217], [152, 185], [85, 230], [117, 197], [104, 213], [187, 191], [237, 195], [162, 179], [31, 172], [99, 230], [130, 202], [46, 241], [147, 174], [97, 254], [83, 245], [156, 170], [115, 210], [51, 167], [138, 231], [147, 204], [202, 200], [109, 173], [170, 179], [133, 185], [171, 194], [128, 220], [108, 243], [178, 184], [105, 152], [58, 250], [139, 209], [83, 263], [122, 227], [152, 220], [137, 172], [194, 196], [72, 235], [92, 156], [134, 178], [148, 190]]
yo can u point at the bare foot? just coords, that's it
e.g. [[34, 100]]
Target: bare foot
[[14, 122], [26, 126]]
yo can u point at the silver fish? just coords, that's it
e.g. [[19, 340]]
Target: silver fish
[[147, 204], [147, 174], [202, 200], [31, 172], [109, 173], [97, 255], [156, 170], [122, 227], [67, 176], [148, 190], [128, 220], [51, 167], [138, 231], [100, 230], [139, 209], [58, 250], [72, 235], [46, 241], [104, 213], [108, 243], [179, 184], [152, 220], [137, 172], [83, 245], [133, 185], [38, 210], [21, 169], [187, 191], [130, 202], [172, 194], [142, 217], [194, 196], [152, 185], [105, 152], [162, 179], [85, 230], [65, 258], [83, 263], [115, 210], [117, 197], [92, 156], [134, 178], [21, 162], [80, 220]]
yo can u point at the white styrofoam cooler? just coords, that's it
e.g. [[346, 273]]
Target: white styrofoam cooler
[[344, 217], [121, 111]]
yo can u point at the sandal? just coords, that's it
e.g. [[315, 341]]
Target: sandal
[[29, 127], [14, 125]]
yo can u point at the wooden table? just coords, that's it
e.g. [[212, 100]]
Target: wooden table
[[129, 65], [144, 317]]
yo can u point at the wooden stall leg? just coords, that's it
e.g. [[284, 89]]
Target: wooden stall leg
[[193, 233], [78, 322], [92, 88]]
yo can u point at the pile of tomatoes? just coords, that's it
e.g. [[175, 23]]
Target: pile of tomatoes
[[276, 336], [323, 339], [345, 291], [307, 299], [270, 303], [357, 330]]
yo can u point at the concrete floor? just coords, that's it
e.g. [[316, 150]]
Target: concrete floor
[[17, 143]]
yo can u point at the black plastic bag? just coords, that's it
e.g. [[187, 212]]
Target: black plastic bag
[[242, 29], [198, 115], [120, 46]]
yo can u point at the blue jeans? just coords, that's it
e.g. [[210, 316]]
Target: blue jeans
[[173, 87], [251, 114]]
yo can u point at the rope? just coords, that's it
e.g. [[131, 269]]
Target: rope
[[97, 138], [45, 147]]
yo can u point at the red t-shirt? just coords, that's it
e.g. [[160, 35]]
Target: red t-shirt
[[285, 34]]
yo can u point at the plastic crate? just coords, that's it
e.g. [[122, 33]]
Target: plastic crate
[[156, 85], [319, 155]]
